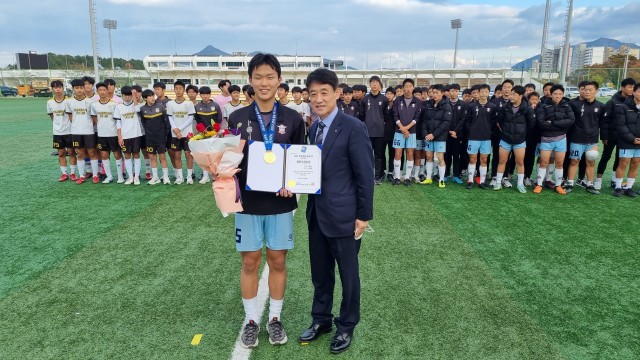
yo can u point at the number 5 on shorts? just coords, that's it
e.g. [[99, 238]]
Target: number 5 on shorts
[[238, 236], [396, 142]]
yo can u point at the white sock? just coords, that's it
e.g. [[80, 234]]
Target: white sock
[[275, 308], [147, 165], [416, 170], [541, 175], [74, 168], [571, 182], [630, 182], [559, 173], [128, 164], [550, 169], [81, 168], [409, 169], [250, 310], [177, 173], [63, 169], [613, 178], [618, 182], [483, 174], [499, 177], [94, 167], [136, 167], [423, 166], [441, 171], [106, 164], [119, 168], [471, 169], [205, 175], [189, 173], [520, 179], [165, 172], [154, 172], [396, 169], [429, 166]]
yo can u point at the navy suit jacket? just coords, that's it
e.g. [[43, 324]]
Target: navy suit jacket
[[347, 177]]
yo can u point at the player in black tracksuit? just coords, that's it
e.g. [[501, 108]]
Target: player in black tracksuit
[[628, 131], [456, 147]]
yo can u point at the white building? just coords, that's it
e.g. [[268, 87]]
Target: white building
[[594, 55]]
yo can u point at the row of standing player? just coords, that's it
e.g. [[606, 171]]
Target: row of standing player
[[423, 122]]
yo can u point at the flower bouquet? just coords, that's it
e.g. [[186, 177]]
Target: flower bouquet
[[219, 152]]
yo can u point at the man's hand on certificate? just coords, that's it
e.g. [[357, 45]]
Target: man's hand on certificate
[[284, 193], [361, 226]]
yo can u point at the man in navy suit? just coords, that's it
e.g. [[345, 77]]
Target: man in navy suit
[[339, 216]]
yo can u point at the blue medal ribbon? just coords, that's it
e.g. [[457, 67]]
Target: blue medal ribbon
[[267, 136]]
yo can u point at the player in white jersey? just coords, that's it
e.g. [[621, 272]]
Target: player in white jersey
[[232, 105], [300, 106], [82, 132], [129, 134], [102, 115], [56, 108], [180, 112], [136, 90]]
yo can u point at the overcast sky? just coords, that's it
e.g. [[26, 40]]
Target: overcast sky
[[363, 31]]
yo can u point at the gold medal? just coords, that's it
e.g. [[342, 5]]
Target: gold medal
[[269, 157]]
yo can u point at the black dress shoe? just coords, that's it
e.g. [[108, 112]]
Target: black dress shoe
[[313, 332], [340, 342]]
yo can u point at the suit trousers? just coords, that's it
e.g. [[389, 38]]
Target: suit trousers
[[324, 253]]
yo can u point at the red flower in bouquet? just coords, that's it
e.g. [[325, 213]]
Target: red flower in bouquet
[[189, 135], [200, 127], [216, 127]]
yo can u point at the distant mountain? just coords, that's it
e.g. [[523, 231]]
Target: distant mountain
[[211, 51], [606, 42]]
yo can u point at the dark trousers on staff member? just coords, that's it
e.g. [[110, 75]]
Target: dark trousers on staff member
[[325, 252]]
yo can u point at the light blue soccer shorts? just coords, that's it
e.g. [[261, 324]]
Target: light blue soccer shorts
[[509, 147], [484, 146], [560, 145], [420, 144], [629, 153], [435, 146], [576, 150], [253, 230], [399, 141]]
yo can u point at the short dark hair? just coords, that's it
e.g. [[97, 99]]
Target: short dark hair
[[557, 87], [547, 84], [88, 79], [245, 87], [508, 81], [297, 89], [593, 83], [126, 90], [518, 89], [284, 86], [484, 86], [438, 87], [251, 92], [204, 90], [264, 59], [636, 87], [416, 91], [498, 88], [532, 94], [408, 80], [233, 88], [454, 86], [343, 85], [530, 85], [101, 84], [582, 83], [466, 92], [192, 87], [157, 85], [178, 83], [347, 90], [476, 87], [397, 87], [627, 82], [223, 83], [147, 93], [77, 82], [323, 76], [305, 89], [375, 78], [56, 83], [110, 82], [137, 88], [390, 89]]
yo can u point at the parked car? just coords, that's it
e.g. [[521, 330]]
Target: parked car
[[8, 91], [571, 92], [606, 92]]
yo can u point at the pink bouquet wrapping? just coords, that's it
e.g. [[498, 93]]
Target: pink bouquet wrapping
[[220, 157]]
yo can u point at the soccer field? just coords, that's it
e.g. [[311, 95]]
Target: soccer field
[[134, 272]]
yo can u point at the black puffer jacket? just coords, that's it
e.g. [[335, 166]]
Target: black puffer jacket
[[554, 120], [608, 129], [435, 119], [628, 124], [589, 118], [515, 126]]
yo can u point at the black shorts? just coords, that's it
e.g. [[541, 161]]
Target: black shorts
[[131, 146], [155, 148], [108, 143], [87, 141], [143, 142], [62, 141], [169, 137], [179, 144]]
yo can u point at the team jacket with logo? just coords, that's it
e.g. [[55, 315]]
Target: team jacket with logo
[[628, 124], [374, 107], [436, 119], [589, 118], [480, 119], [554, 120], [407, 113], [155, 123]]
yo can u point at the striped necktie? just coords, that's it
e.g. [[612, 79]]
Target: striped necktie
[[319, 135]]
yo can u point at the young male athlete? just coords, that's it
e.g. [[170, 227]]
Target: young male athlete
[[232, 105], [389, 132], [554, 119], [628, 131], [192, 94], [208, 112], [180, 112], [406, 112], [161, 98], [267, 217], [102, 115], [82, 131], [136, 90], [300, 106], [129, 127], [533, 139], [456, 147], [435, 119], [225, 96], [374, 104], [56, 108], [155, 124]]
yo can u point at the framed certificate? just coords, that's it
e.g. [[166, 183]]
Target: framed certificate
[[297, 168]]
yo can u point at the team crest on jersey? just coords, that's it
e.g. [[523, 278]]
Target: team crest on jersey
[[488, 110], [157, 110], [281, 129], [595, 110], [413, 105], [352, 108], [459, 107], [380, 103]]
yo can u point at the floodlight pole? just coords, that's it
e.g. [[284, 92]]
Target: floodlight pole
[[94, 39], [456, 24], [110, 25]]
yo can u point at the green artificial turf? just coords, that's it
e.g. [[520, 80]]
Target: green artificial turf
[[114, 271]]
